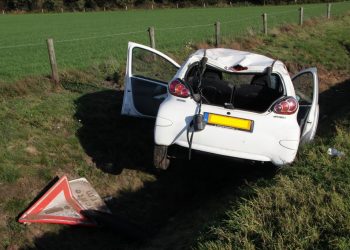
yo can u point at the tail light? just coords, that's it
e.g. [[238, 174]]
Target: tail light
[[177, 88], [286, 106]]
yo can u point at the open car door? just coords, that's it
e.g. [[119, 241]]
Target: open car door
[[148, 72], [306, 90]]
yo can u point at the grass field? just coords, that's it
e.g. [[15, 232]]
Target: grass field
[[84, 39], [207, 203]]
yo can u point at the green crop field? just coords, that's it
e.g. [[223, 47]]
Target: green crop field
[[85, 39]]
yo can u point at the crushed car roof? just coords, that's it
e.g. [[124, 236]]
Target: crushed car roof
[[226, 58]]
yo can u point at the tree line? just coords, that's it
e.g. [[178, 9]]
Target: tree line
[[79, 5]]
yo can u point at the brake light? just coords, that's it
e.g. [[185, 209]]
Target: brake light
[[286, 106], [177, 88]]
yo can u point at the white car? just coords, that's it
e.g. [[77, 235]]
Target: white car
[[222, 101]]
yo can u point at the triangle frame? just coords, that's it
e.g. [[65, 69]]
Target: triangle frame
[[33, 214]]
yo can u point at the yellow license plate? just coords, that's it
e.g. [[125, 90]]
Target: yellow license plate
[[228, 121]]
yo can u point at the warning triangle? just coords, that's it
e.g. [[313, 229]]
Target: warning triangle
[[57, 206]]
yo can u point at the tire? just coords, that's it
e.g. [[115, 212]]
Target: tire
[[160, 157]]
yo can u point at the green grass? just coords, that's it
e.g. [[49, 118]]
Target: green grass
[[304, 49], [208, 203], [305, 206], [85, 39]]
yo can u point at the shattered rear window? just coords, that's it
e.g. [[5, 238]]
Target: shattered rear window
[[248, 91]]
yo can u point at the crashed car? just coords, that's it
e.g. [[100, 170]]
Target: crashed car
[[222, 101]]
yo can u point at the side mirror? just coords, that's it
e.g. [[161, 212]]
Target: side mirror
[[198, 122], [196, 97]]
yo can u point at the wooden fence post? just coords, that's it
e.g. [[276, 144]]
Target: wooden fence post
[[177, 5], [61, 10], [3, 12], [217, 34], [151, 37], [329, 10], [126, 7], [265, 23], [52, 57], [301, 16]]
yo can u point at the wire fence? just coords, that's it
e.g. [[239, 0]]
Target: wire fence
[[81, 48]]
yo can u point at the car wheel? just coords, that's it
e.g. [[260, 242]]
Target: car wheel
[[160, 157]]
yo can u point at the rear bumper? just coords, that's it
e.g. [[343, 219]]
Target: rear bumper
[[284, 158], [280, 149], [226, 152]]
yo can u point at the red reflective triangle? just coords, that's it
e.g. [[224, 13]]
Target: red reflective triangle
[[57, 206]]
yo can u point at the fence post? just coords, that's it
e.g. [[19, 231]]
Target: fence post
[[265, 23], [52, 57], [61, 10], [217, 34], [329, 10], [3, 12], [151, 37], [177, 5], [301, 16]]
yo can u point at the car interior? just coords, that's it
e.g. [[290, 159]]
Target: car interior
[[252, 92]]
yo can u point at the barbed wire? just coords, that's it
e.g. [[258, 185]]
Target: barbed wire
[[22, 45]]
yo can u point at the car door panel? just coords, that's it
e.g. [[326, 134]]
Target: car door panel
[[147, 74], [306, 88], [147, 95]]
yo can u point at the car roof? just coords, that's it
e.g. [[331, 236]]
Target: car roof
[[227, 58]]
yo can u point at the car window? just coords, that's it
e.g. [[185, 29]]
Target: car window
[[304, 87], [236, 79], [149, 65], [247, 91]]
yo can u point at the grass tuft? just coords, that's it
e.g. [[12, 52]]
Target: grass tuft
[[9, 173]]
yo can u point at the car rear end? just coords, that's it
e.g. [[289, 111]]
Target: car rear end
[[272, 137], [247, 121]]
